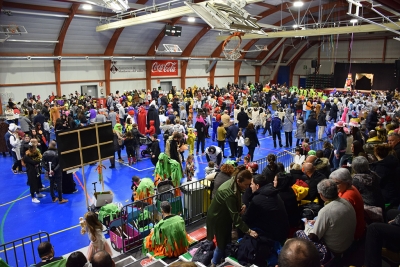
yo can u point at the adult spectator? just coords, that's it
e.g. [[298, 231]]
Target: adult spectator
[[385, 235], [242, 118], [336, 221], [394, 142], [121, 114], [321, 121], [39, 118], [300, 133], [218, 178], [152, 115], [102, 259], [100, 117], [388, 169], [221, 135], [169, 237], [14, 144], [299, 252], [339, 143], [313, 178], [214, 154], [112, 116], [76, 259], [32, 159], [276, 126], [349, 192], [311, 127], [3, 132], [46, 254], [252, 135], [174, 147], [201, 129], [372, 119], [333, 111], [267, 210], [372, 141], [272, 167], [321, 163], [225, 119], [136, 143], [54, 171], [224, 212], [25, 123], [232, 134], [287, 127], [283, 183], [155, 149], [367, 183]]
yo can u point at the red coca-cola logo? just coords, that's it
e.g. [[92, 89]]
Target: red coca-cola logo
[[164, 68]]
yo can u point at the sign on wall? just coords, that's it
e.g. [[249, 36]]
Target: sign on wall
[[164, 68]]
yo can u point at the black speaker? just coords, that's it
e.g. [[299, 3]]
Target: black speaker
[[314, 63], [397, 64]]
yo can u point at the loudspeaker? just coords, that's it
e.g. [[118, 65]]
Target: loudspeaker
[[314, 63], [397, 64]]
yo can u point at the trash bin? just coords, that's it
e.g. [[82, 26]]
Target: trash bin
[[193, 199]]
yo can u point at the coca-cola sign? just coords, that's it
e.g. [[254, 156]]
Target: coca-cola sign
[[164, 68]]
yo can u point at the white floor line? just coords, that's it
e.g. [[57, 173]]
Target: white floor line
[[15, 200], [135, 168]]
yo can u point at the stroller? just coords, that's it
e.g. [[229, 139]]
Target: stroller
[[145, 141], [165, 190]]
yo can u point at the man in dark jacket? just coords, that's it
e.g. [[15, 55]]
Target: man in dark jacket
[[311, 128], [231, 135], [39, 118], [394, 142], [52, 166], [154, 94], [372, 119], [333, 112], [276, 125], [312, 179], [155, 149], [242, 118], [152, 115], [136, 143], [321, 123]]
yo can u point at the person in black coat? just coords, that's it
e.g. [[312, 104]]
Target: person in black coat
[[252, 135], [152, 115], [283, 183], [266, 210], [312, 178], [201, 129], [231, 135], [372, 119], [333, 112], [311, 128], [242, 118], [155, 149]]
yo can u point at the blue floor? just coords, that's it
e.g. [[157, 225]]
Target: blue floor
[[20, 217]]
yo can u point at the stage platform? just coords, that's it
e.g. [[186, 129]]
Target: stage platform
[[330, 90]]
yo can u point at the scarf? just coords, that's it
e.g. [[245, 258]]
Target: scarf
[[201, 120]]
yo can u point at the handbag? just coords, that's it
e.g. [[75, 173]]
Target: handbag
[[247, 141]]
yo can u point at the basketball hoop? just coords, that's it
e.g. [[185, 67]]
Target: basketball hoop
[[231, 46]]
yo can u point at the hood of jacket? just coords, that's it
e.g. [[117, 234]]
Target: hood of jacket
[[267, 190], [366, 178], [321, 163], [152, 123], [152, 108]]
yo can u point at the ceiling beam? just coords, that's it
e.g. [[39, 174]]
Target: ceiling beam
[[141, 2], [274, 10], [265, 5]]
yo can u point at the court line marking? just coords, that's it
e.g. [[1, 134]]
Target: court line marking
[[127, 165], [19, 198]]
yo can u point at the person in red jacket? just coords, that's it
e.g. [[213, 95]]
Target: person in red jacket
[[151, 130]]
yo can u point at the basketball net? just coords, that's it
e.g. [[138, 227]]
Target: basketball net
[[231, 46]]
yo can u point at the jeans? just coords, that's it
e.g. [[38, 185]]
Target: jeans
[[274, 136], [321, 130], [381, 235], [288, 139], [202, 141], [56, 181], [221, 144], [299, 141], [311, 136], [218, 255], [233, 146], [336, 160], [240, 151]]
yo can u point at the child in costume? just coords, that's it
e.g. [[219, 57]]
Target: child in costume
[[93, 227], [210, 168], [191, 137], [189, 170], [168, 237]]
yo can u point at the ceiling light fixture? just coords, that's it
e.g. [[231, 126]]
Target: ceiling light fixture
[[117, 5], [298, 3], [87, 7], [353, 21], [295, 26], [191, 19]]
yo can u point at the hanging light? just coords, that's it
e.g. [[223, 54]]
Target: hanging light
[[298, 3], [87, 7], [353, 21]]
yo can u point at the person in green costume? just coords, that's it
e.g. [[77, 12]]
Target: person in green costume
[[226, 209], [168, 237]]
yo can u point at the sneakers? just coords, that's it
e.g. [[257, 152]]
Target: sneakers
[[35, 200], [55, 200], [40, 195], [63, 201], [15, 171], [76, 190], [393, 257], [120, 160]]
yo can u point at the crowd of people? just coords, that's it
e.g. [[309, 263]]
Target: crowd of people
[[354, 181]]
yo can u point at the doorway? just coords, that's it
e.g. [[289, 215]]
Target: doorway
[[90, 90], [165, 87]]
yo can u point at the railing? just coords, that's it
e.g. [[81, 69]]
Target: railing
[[190, 200], [27, 246], [286, 158]]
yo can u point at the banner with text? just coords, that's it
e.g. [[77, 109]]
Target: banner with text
[[164, 68]]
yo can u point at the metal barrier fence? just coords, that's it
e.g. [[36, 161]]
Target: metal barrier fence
[[27, 246], [286, 158], [191, 201]]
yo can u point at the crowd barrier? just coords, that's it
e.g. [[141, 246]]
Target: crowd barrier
[[286, 158], [12, 251]]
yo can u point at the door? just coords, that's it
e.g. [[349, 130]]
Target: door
[[89, 90], [302, 82], [165, 87], [283, 75]]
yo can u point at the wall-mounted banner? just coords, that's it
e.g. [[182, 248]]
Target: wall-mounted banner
[[164, 68], [115, 69]]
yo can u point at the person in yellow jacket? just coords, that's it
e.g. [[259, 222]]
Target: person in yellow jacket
[[221, 136]]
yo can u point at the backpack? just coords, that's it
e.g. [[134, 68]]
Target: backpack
[[254, 250], [204, 253], [309, 210]]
